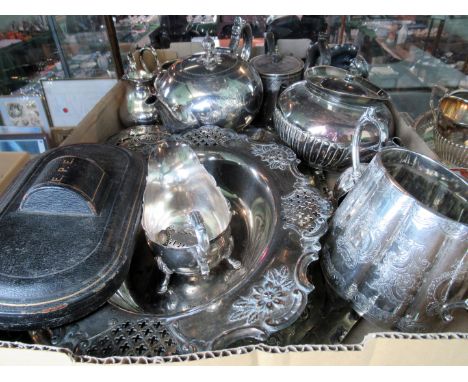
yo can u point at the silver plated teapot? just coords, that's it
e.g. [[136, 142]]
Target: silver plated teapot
[[217, 87], [317, 117]]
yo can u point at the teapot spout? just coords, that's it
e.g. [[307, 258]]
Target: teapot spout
[[172, 117]]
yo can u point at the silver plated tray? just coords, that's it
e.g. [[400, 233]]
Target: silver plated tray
[[140, 138], [277, 223]]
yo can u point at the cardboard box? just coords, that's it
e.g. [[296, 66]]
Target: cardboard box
[[11, 164], [369, 347]]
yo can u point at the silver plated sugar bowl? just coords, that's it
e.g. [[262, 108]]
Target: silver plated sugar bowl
[[185, 215], [397, 247], [217, 87], [317, 117], [277, 72], [450, 112]]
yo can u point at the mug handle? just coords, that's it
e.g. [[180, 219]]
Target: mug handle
[[241, 28], [369, 116], [447, 308], [351, 176], [438, 92], [197, 222]]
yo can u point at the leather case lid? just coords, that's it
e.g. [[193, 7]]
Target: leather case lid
[[67, 230]]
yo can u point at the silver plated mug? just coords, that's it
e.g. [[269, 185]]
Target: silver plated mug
[[397, 247]]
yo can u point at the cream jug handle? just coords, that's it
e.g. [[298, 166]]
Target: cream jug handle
[[241, 28]]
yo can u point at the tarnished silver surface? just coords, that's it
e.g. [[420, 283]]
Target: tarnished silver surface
[[397, 247], [134, 109], [278, 219], [140, 138], [185, 215], [317, 117], [211, 88], [277, 73]]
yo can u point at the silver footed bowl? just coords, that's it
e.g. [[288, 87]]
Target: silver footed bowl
[[278, 219]]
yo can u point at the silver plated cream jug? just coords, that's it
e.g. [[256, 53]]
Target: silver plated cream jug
[[186, 218], [397, 247]]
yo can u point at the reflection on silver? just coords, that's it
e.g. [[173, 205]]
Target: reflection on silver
[[277, 221], [397, 247], [317, 117]]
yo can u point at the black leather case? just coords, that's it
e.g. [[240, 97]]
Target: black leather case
[[67, 231]]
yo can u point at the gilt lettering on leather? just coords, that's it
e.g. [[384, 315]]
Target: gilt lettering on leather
[[68, 185]]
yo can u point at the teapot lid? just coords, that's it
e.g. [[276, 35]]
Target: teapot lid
[[210, 63], [271, 65], [342, 83]]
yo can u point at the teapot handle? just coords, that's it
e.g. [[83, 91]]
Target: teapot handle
[[437, 93], [369, 116], [241, 28], [203, 245]]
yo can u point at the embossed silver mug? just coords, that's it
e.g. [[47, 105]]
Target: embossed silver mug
[[397, 247]]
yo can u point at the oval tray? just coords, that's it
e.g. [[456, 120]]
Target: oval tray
[[278, 221]]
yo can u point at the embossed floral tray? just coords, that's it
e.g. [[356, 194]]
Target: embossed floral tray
[[278, 221]]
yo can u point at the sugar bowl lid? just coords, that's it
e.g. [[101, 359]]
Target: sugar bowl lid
[[343, 84], [273, 64], [68, 224]]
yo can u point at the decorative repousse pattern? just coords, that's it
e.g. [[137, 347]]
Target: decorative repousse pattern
[[278, 157], [270, 297]]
